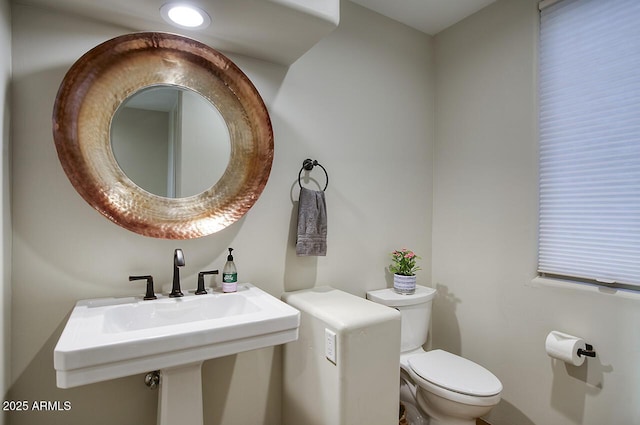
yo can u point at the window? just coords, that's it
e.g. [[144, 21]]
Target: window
[[589, 129]]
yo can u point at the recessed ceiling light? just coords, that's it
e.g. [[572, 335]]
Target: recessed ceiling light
[[184, 15]]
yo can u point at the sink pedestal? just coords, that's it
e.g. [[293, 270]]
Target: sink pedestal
[[180, 398]]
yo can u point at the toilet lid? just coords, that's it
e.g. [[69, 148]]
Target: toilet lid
[[455, 373]]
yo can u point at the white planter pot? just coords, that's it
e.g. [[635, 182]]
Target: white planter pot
[[405, 285]]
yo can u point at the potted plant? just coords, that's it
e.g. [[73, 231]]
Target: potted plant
[[404, 268]]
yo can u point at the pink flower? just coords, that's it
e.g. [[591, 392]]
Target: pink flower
[[404, 262]]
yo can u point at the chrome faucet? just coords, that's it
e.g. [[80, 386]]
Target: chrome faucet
[[178, 261]]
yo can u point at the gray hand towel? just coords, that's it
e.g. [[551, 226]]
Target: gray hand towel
[[312, 223]]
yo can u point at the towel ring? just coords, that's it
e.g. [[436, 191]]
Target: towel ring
[[308, 165]]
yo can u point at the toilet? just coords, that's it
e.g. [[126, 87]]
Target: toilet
[[448, 389]]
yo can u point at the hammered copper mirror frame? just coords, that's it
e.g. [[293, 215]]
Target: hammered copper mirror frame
[[98, 83]]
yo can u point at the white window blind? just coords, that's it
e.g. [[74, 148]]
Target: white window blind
[[589, 125]]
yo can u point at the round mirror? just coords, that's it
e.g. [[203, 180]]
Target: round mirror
[[170, 141], [86, 118]]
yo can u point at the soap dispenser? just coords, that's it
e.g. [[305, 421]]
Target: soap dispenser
[[229, 275]]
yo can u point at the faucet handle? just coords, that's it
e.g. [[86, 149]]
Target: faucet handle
[[201, 290], [150, 295]]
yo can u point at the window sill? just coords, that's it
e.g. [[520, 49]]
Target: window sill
[[539, 282]]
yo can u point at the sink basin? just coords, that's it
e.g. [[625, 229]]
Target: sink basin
[[175, 311], [114, 337]]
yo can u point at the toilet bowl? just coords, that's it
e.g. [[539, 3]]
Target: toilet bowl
[[449, 389]]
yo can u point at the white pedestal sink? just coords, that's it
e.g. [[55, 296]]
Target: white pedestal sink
[[110, 338]]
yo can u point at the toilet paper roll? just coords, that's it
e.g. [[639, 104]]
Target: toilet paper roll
[[565, 347]]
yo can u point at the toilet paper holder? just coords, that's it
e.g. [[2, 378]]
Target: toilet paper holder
[[588, 351], [568, 348]]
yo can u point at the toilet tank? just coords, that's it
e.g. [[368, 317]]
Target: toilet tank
[[415, 313]]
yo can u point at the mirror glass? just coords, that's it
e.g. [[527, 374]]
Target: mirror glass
[[170, 141]]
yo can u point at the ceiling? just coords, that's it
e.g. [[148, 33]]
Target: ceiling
[[247, 26], [428, 16], [272, 30]]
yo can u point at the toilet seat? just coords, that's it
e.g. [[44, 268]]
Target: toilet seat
[[455, 378]]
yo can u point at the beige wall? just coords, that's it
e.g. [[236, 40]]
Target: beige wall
[[484, 238], [361, 102], [5, 224]]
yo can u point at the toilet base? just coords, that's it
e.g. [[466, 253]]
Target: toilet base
[[407, 396], [446, 412]]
